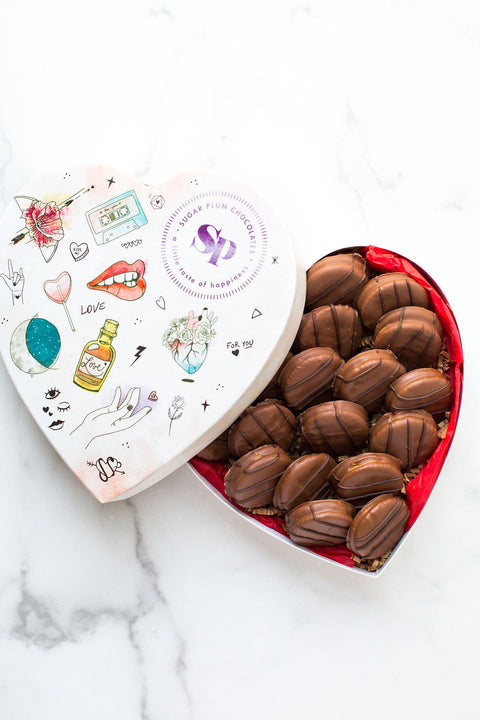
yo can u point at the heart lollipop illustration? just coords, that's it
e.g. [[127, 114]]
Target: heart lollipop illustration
[[58, 290]]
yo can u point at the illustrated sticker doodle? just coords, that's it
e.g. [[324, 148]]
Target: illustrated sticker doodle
[[188, 339], [35, 345], [58, 290], [123, 280], [113, 418], [116, 217], [107, 468], [97, 358], [43, 222], [15, 282], [175, 411], [79, 250], [60, 407]]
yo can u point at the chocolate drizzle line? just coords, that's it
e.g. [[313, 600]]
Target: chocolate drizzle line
[[344, 427], [420, 442]]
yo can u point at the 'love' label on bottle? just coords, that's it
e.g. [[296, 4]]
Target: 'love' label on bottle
[[91, 365]]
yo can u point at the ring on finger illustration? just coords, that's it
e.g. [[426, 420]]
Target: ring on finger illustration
[[188, 339], [113, 418]]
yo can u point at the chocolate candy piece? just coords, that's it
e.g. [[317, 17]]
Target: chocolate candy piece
[[307, 378], [305, 479], [411, 436], [321, 522], [366, 377], [268, 423], [338, 427], [250, 482], [336, 279], [335, 326], [414, 334], [423, 389], [217, 451], [361, 477], [273, 389], [387, 292], [378, 526]]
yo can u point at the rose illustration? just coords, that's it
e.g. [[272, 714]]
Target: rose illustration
[[188, 339], [175, 411], [43, 223]]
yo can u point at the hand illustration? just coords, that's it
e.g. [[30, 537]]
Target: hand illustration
[[113, 418], [15, 282]]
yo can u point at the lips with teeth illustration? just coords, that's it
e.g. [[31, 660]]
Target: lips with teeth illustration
[[121, 279]]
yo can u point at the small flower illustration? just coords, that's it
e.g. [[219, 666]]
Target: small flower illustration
[[203, 333], [175, 411], [43, 223]]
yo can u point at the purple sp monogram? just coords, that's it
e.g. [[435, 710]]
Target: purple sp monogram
[[213, 244]]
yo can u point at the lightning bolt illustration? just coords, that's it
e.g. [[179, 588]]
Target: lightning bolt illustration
[[140, 349]]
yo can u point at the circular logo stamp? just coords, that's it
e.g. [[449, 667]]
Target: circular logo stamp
[[214, 244]]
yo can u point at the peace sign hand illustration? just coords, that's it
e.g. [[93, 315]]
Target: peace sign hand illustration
[[15, 282]]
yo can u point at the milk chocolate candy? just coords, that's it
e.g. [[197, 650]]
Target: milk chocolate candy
[[335, 326], [217, 451], [414, 334], [422, 389], [251, 480], [338, 427], [307, 378], [411, 436], [366, 377], [268, 423], [273, 389], [377, 527], [305, 479], [321, 522], [336, 279], [387, 292], [361, 477]]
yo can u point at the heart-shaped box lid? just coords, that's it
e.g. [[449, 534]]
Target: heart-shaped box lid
[[138, 322]]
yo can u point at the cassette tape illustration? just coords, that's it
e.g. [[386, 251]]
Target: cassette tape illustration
[[116, 217]]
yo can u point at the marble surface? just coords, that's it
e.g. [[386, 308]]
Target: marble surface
[[359, 121]]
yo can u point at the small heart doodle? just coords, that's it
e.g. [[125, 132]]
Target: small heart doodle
[[78, 251]]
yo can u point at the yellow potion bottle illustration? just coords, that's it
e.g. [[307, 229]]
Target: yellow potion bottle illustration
[[96, 359]]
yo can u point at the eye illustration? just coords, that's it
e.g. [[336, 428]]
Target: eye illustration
[[63, 406], [52, 393], [57, 425]]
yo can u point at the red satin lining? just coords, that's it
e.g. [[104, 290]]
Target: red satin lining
[[418, 489]]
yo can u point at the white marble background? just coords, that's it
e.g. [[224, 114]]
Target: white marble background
[[360, 121]]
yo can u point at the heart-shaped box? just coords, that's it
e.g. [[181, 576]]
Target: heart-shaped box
[[419, 488], [138, 322]]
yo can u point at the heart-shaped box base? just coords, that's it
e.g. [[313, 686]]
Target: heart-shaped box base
[[140, 321], [419, 488]]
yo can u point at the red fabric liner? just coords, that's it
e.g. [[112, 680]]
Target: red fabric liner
[[418, 489]]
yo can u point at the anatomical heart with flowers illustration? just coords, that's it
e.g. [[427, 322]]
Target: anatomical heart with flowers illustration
[[188, 339]]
